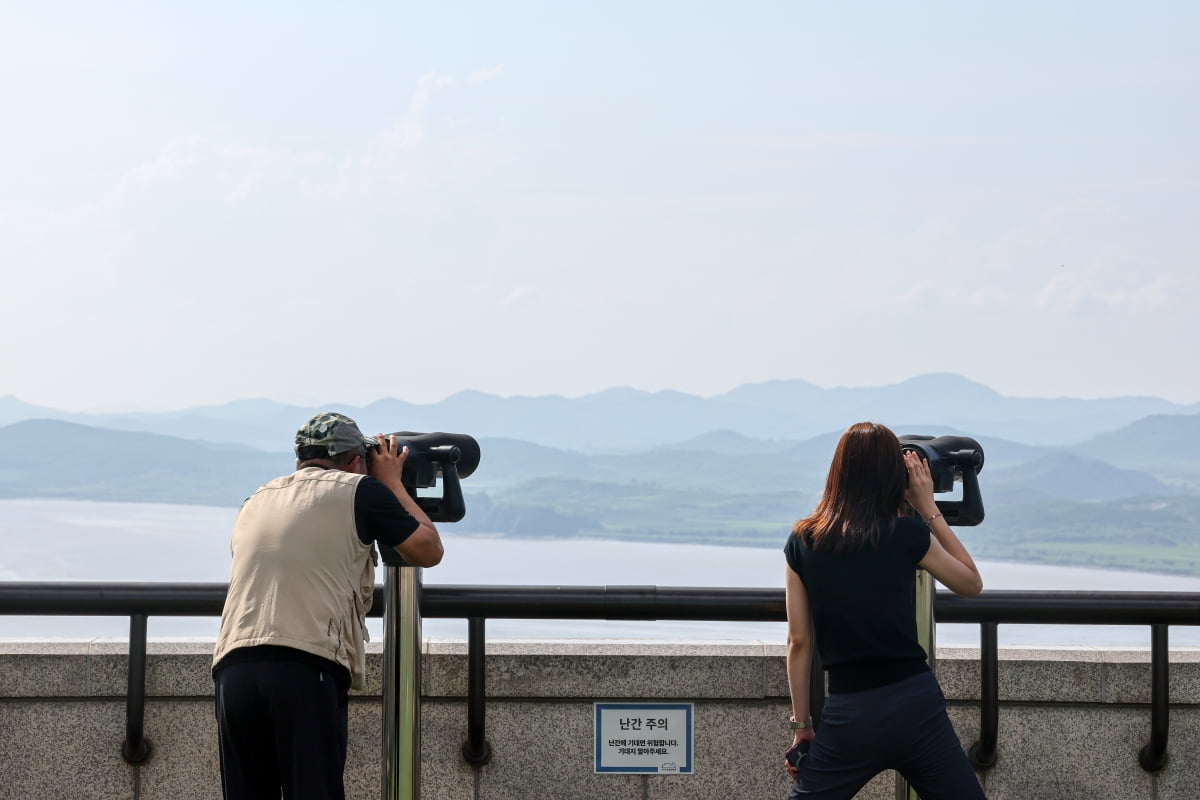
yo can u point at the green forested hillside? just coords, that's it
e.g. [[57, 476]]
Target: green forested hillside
[[1043, 504], [1162, 445], [1159, 534], [60, 459]]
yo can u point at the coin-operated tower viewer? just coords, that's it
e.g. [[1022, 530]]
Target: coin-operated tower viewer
[[433, 458]]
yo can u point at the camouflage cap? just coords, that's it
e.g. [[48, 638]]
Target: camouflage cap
[[337, 433]]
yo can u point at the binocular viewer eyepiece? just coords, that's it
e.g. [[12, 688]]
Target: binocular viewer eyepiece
[[447, 457], [952, 459], [430, 453]]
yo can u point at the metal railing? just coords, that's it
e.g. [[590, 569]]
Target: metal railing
[[476, 604]]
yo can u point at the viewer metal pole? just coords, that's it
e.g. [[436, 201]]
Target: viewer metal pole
[[926, 635], [402, 683]]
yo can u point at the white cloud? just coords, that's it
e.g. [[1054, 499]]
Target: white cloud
[[247, 169], [426, 86], [409, 131], [398, 162], [921, 294], [486, 75], [980, 298], [238, 152], [244, 187], [404, 160], [1070, 292], [524, 293], [1152, 295], [175, 159], [244, 152], [915, 295], [1066, 291]]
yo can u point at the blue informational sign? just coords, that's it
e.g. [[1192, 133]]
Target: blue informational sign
[[648, 738]]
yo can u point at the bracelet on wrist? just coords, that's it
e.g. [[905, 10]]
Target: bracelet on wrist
[[935, 516], [800, 725]]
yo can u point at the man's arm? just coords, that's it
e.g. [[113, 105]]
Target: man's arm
[[423, 548]]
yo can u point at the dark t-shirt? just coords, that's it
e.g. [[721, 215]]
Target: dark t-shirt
[[379, 516], [863, 605]]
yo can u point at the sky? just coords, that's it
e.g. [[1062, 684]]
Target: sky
[[206, 202]]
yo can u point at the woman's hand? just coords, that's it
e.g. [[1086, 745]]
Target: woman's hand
[[919, 493], [805, 735], [946, 559]]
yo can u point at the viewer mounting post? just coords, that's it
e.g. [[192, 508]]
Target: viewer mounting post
[[433, 458], [927, 636], [401, 681], [951, 459]]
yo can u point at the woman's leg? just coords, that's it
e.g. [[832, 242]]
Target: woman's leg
[[844, 756], [935, 764]]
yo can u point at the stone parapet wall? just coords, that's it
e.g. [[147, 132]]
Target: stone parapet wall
[[1071, 721]]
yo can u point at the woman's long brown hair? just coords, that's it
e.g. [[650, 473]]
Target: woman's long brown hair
[[865, 488]]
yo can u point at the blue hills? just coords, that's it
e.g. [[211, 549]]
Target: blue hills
[[617, 420], [1117, 484]]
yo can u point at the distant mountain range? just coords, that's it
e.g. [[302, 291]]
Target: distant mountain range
[[618, 420], [62, 459], [622, 464]]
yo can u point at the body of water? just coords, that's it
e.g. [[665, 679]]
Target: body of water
[[59, 540]]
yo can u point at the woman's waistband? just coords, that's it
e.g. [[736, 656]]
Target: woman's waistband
[[858, 676]]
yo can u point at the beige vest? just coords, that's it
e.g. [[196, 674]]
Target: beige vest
[[301, 577]]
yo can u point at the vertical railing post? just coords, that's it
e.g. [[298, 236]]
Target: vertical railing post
[[1153, 756], [476, 751], [136, 748], [402, 683], [982, 754]]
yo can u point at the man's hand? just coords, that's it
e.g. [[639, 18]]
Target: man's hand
[[387, 462], [424, 547]]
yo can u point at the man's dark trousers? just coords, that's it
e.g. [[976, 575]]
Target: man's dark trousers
[[281, 726]]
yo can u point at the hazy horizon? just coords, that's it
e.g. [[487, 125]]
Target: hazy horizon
[[322, 400], [227, 200]]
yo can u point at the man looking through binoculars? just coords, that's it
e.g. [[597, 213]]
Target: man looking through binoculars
[[293, 629]]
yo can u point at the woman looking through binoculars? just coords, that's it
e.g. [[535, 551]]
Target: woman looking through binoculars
[[850, 589]]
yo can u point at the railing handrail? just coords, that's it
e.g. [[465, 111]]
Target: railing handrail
[[1158, 610], [717, 604]]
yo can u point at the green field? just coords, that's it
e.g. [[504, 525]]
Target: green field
[[1156, 534]]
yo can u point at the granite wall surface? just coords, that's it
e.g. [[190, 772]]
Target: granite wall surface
[[1071, 722]]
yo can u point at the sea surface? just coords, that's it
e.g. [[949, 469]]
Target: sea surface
[[61, 540]]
